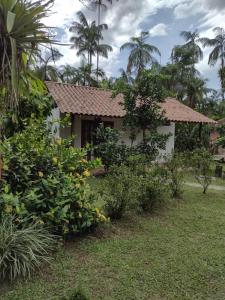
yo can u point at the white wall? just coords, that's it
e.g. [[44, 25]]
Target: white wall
[[118, 124], [54, 119]]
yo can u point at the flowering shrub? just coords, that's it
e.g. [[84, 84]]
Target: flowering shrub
[[44, 180]]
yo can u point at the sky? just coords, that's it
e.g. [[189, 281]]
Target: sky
[[163, 19]]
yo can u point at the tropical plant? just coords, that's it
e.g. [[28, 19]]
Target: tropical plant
[[37, 105], [192, 39], [108, 147], [120, 190], [141, 53], [21, 32], [175, 173], [152, 189], [201, 160], [45, 69], [68, 73], [87, 38], [143, 113], [44, 180], [218, 52], [188, 137], [22, 250]]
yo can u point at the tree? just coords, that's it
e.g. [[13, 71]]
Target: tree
[[191, 39], [87, 37], [184, 73], [99, 4], [143, 113], [68, 73], [141, 53], [21, 32], [218, 52], [45, 70]]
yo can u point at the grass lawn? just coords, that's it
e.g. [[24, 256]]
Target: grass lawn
[[179, 253]]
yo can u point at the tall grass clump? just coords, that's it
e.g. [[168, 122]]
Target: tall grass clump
[[22, 250]]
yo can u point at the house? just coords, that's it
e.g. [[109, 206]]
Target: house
[[88, 106]]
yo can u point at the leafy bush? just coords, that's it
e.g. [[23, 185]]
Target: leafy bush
[[175, 172], [201, 163], [23, 250], [120, 190], [108, 147], [44, 181], [152, 189]]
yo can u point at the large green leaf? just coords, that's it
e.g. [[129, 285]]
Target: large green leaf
[[10, 21]]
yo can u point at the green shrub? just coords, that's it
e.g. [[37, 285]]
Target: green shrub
[[201, 162], [120, 190], [108, 147], [175, 172], [152, 190], [23, 250], [44, 181]]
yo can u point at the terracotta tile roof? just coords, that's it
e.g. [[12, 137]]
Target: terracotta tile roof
[[99, 102], [178, 112]]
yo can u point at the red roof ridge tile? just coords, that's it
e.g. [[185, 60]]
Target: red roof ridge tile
[[79, 86]]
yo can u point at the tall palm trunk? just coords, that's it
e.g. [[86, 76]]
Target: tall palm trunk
[[222, 77], [99, 19]]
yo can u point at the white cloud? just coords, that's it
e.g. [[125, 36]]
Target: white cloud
[[188, 8], [158, 30]]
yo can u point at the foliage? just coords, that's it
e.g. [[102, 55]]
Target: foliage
[[221, 140], [83, 75], [152, 189], [201, 162], [23, 249], [44, 181], [108, 147], [143, 113], [37, 105], [217, 53], [87, 38], [21, 32], [175, 173], [120, 190], [187, 137], [141, 53]]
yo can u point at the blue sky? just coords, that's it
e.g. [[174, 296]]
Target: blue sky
[[164, 19]]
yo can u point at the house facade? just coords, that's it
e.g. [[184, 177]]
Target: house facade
[[89, 106]]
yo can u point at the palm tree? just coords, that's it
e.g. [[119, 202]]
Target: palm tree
[[87, 76], [68, 74], [21, 32], [99, 4], [195, 90], [141, 53], [218, 52], [46, 70], [191, 39], [88, 35]]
